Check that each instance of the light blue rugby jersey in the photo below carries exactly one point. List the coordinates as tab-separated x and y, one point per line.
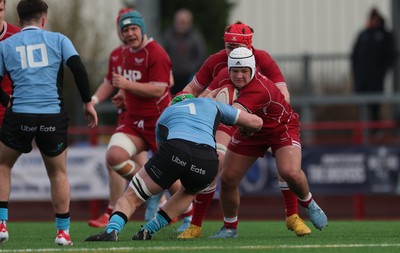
33	59
195	120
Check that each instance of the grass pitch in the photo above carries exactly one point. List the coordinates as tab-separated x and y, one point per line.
254	236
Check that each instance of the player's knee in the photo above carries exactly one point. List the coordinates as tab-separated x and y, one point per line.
120	145
127	169
115	156
290	175
229	181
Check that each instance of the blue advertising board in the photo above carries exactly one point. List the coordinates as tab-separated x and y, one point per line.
334	170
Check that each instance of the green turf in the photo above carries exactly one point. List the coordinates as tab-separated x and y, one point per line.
254	236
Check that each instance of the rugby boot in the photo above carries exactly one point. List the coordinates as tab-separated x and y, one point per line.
297	225
191	232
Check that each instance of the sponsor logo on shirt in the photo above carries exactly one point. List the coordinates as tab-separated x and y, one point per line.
42	128
177	160
197	170
132	75
235	141
139	61
114	58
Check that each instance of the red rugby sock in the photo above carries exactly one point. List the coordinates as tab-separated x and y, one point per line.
200	207
291	202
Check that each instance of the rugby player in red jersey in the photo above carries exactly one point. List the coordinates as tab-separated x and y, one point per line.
236	35
280	133
146	80
117	184
6	30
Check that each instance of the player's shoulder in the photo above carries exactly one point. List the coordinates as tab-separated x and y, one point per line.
53	35
219	56
216	61
155	49
261	54
206	104
258	84
223	73
151	44
118	50
11	29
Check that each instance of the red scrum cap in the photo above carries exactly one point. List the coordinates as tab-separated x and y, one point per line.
239	33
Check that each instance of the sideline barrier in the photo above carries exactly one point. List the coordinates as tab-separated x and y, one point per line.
87	175
330	170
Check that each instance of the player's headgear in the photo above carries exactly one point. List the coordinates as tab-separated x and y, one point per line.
239	33
180	96
120	13
242	57
132	18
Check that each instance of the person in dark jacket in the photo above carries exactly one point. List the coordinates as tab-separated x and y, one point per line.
186	47
373	54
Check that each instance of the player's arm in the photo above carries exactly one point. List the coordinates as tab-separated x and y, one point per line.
248	123
148	90
270	69
104	91
80	76
285	92
193	89
82	82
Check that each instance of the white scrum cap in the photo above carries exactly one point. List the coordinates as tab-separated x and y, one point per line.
242	57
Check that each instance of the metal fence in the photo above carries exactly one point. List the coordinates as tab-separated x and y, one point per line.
321	90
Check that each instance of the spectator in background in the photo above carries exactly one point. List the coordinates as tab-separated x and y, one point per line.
36	110
6	30
186	48
373	54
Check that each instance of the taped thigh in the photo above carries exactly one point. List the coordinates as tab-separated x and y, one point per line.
139	187
221	148
122	140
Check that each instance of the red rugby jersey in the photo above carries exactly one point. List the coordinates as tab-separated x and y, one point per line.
6	84
148	64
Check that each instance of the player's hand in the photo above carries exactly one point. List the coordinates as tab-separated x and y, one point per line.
119	99
90	114
211	94
119	81
245	132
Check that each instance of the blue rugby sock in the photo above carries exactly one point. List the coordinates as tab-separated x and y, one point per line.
117	223
159	221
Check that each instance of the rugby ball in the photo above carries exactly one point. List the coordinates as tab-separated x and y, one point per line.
227	94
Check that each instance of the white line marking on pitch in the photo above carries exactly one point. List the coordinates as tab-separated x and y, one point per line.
186	248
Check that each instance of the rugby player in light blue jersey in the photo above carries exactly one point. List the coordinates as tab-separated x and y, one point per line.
34	61
185	134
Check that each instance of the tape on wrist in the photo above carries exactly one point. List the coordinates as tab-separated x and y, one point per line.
95	99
